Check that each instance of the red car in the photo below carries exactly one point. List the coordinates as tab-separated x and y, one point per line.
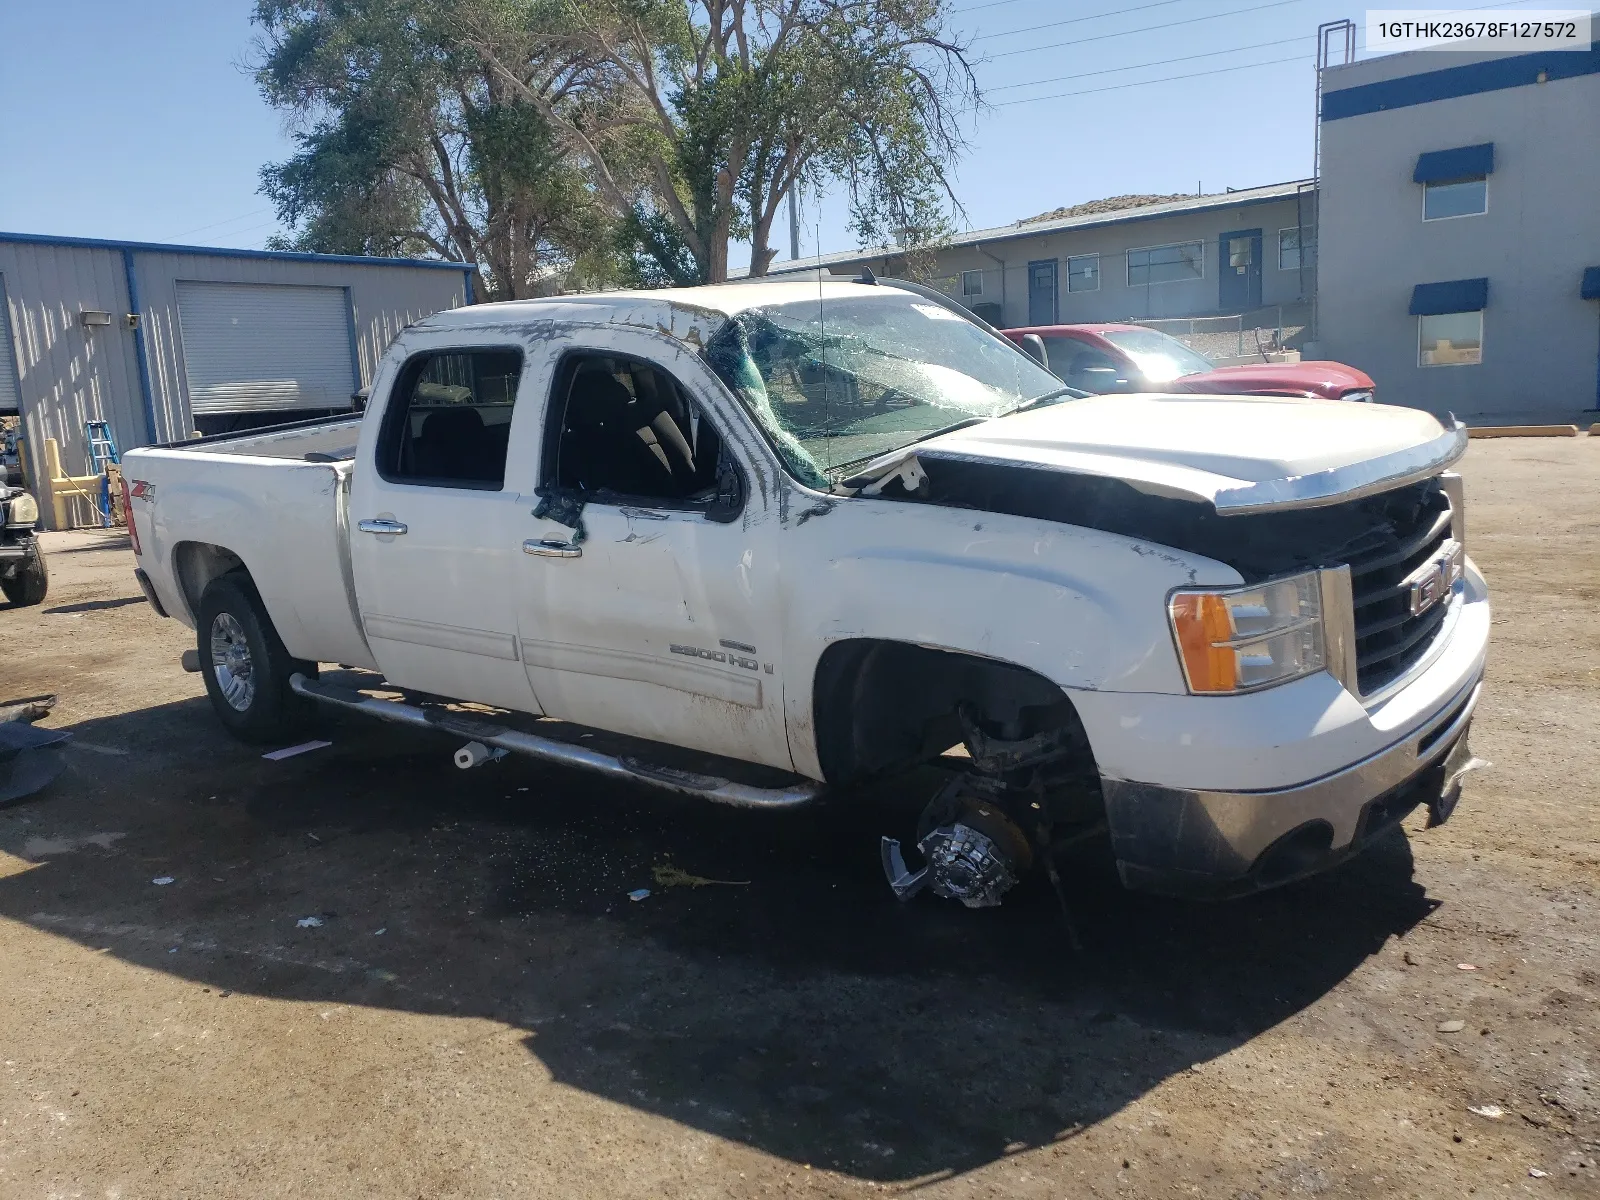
1132	358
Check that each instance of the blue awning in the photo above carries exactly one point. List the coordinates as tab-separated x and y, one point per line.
1464	162
1590	288
1451	296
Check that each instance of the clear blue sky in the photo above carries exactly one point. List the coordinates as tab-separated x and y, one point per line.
141	121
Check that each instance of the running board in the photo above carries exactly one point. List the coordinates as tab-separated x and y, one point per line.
633	770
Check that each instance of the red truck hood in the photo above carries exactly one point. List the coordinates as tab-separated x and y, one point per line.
1316	378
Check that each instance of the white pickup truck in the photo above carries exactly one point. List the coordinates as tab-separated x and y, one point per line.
772	539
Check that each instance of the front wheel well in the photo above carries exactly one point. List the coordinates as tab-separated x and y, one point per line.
881	706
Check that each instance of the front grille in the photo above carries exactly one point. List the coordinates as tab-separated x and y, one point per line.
1389	640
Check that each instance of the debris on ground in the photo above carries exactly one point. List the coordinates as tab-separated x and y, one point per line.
163	880
29	709
309	923
1451	1026
1493	1111
291	751
1466	966
668	875
1536	1173
30	758
639	894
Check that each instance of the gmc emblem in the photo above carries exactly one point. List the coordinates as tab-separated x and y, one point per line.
1432	581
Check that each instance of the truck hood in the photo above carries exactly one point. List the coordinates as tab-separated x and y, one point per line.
1238	453
1318	377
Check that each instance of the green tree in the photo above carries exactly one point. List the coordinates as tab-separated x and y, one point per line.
408	142
694	118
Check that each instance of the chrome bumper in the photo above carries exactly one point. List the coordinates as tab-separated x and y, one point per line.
1185	842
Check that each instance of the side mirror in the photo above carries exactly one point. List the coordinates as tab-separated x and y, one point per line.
728	502
1033	347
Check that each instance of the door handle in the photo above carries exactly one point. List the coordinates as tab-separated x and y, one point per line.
552	548
381	525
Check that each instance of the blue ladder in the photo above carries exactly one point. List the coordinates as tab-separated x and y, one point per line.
102	450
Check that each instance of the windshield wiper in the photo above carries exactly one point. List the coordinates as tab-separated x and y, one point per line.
933	433
1047	398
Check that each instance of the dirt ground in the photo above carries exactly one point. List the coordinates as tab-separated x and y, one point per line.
483	1012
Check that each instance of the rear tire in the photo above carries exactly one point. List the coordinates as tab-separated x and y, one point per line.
30	582
246	666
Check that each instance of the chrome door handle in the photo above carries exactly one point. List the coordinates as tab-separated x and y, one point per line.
552	548
381	525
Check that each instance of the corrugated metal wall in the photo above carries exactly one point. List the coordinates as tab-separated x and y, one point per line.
69	374
385	299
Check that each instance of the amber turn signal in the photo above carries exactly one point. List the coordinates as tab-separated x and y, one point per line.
1204	629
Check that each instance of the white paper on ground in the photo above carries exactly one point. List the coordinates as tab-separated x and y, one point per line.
291	751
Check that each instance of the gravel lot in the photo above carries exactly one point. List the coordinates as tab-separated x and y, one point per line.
482	1011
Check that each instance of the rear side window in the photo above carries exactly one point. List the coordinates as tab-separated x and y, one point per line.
449	419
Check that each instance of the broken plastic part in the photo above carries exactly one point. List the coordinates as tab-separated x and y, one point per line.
910	474
902	881
564	506
1460	763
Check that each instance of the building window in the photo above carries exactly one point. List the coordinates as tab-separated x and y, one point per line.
1166	264
972	283
1290	243
1083	273
1450	339
1455	198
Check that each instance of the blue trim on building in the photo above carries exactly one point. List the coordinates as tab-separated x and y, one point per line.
358	260
1464	162
146	390
1491	75
5	332
355	355
1589	289
1450	296
467	277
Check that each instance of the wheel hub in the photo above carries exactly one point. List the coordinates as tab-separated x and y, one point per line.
231	662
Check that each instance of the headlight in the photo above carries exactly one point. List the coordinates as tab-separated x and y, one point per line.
23	510
1252	637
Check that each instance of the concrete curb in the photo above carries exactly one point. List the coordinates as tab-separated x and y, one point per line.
1496	431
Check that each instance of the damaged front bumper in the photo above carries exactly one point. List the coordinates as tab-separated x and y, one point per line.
1198	843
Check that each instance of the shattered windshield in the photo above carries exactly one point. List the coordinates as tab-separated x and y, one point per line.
836	381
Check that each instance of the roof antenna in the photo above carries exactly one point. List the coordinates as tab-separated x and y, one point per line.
866	276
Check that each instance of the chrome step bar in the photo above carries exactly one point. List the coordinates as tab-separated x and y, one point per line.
628	768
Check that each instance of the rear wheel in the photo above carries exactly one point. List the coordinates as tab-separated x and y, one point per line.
30	581
246	666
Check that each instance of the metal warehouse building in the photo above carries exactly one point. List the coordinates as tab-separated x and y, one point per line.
1460	231
162	341
1225	253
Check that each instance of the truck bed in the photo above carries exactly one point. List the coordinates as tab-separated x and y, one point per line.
325	439
275	499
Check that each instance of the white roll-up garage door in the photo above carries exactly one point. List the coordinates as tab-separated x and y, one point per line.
252	347
9	401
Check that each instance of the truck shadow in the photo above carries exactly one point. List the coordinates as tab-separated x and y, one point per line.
804	1012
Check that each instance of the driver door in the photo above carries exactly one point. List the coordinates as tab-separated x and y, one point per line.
660	619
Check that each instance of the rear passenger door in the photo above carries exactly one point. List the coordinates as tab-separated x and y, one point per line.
435	531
